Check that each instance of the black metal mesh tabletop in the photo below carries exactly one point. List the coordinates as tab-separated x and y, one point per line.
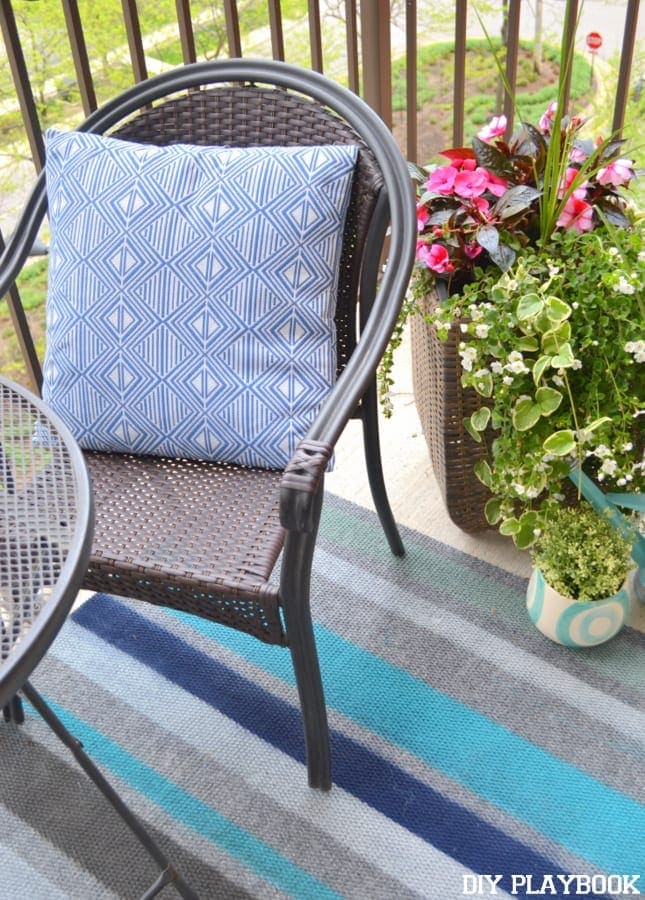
45	525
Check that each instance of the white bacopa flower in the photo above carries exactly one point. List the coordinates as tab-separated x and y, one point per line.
467	358
609	466
481	372
637	349
627	447
520	490
575	304
532	492
613	251
496	367
507	379
623	286
476	314
553	270
600	476
462	345
537	532
621	482
576	364
463	328
481	331
602	451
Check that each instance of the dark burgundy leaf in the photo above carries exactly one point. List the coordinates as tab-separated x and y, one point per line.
488	237
491	158
516	200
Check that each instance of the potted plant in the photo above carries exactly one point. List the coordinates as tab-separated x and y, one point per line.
530	275
578	593
554	349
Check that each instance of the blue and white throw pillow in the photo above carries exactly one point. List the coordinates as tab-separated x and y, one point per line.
192	292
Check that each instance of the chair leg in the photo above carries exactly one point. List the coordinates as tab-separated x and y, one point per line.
13	711
294	591
371	442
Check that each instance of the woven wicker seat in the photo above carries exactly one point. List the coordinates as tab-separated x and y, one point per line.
205	537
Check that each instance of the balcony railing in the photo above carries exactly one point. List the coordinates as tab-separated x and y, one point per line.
373	34
365	63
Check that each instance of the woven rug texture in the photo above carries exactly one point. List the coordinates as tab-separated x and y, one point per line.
466	746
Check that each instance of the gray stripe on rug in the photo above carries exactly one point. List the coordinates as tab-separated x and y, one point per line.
460	794
32	868
94	839
464	663
423	613
256	812
445	573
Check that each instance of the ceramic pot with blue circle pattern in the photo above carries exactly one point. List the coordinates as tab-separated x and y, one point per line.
575	623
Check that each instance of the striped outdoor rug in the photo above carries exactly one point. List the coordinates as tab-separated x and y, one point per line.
464	744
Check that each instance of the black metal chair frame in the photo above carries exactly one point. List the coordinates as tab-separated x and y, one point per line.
378	294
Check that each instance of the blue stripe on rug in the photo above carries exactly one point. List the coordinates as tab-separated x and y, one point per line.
445	824
192	812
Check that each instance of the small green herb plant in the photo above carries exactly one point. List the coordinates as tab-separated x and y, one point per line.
581	554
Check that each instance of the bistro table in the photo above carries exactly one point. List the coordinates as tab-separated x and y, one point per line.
46	520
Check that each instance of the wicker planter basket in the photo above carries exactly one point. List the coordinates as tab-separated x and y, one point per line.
442	405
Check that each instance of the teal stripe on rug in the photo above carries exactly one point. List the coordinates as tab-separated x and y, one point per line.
519	777
450	571
192	812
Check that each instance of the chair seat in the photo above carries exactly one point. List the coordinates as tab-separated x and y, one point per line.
202	537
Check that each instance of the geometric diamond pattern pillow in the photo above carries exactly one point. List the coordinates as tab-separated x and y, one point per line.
191	296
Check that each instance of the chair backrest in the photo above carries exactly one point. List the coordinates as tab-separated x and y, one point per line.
255	103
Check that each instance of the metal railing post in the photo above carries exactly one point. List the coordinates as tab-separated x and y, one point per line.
377	57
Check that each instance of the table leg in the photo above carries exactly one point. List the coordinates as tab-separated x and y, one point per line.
169	875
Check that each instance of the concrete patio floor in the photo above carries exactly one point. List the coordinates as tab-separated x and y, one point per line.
414	494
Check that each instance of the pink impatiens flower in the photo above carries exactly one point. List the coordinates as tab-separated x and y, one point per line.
435	257
482	205
442	180
577	155
576	214
423	214
495	128
618	172
471	184
547	117
580	191
472	250
496	185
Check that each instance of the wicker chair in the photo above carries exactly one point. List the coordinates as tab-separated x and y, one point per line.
205	537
